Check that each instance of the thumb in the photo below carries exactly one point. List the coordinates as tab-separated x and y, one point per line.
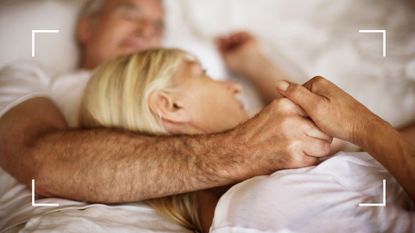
299	94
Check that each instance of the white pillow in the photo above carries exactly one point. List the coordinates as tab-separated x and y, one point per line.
58	51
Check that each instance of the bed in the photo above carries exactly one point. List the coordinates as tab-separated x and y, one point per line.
305	38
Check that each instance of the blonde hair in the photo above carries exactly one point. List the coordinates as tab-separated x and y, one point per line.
117	96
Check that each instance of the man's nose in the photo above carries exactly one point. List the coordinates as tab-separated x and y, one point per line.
146	28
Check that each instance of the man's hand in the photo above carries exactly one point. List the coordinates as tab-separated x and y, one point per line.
280	137
333	110
240	51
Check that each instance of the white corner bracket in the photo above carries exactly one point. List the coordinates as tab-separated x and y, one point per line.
383	204
383	34
33	198
34	37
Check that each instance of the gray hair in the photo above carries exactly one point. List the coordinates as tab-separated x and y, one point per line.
91	8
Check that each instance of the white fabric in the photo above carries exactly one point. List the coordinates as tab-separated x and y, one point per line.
18	214
320	199
25	79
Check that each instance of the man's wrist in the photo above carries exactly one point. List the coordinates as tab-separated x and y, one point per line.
232	156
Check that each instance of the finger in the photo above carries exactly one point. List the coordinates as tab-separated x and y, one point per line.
318	85
288	106
315	132
308	160
300	95
316	147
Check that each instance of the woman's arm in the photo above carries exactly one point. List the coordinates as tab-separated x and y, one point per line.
408	132
242	55
340	115
392	150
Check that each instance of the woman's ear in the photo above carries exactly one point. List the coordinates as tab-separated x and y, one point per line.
84	29
167	108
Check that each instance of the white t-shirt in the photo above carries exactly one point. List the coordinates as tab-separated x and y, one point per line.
25	80
320	199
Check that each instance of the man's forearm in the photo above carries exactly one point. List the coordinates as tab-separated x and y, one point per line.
108	165
393	151
111	166
115	166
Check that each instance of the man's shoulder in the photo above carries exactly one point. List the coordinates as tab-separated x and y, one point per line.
33	70
24	69
23	64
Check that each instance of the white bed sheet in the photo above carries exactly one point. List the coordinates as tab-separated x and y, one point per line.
304	37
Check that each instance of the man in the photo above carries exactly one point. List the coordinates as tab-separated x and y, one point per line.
112	166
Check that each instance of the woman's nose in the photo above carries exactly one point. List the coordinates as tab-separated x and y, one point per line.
234	87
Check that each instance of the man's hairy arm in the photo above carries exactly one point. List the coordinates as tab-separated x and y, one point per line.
100	165
112	166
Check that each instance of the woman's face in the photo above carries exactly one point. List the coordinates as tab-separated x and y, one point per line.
212	106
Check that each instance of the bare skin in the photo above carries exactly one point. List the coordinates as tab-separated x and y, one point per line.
185	109
85	164
340	115
408	132
112	166
121	27
241	53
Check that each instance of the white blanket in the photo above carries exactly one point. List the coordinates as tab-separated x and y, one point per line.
320	199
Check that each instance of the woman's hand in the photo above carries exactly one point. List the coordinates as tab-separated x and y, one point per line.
340	115
333	110
240	51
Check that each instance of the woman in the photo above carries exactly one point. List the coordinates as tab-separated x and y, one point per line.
166	91
161	92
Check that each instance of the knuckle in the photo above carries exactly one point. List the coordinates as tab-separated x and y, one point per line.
285	105
274	104
285	124
295	87
320	107
317	84
319	80
293	147
324	148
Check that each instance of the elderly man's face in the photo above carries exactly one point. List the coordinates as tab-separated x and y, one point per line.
121	27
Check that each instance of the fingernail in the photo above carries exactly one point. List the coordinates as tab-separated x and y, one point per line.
282	85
